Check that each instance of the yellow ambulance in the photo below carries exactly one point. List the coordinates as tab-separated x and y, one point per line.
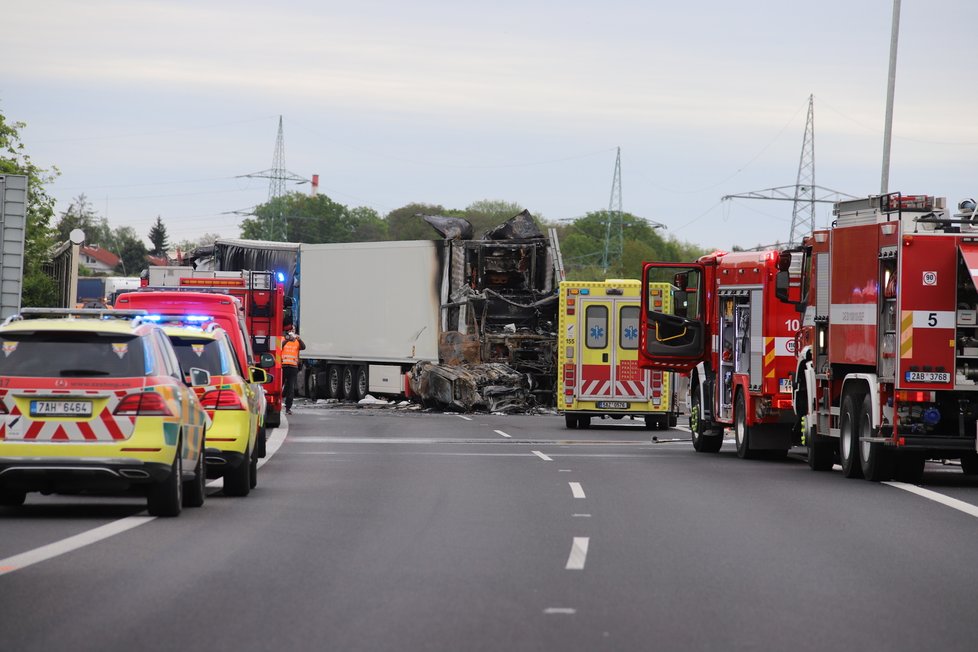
597	355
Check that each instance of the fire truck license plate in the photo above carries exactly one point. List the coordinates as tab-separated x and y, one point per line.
928	377
61	408
612	405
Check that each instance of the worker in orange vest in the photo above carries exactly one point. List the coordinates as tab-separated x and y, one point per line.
290	366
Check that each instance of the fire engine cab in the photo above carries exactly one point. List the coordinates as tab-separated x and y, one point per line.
263	300
887	357
733	336
598	355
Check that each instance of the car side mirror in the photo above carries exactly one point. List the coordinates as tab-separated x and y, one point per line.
260	376
199	377
266	361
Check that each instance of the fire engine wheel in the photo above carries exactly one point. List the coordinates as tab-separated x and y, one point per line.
741	429
704	440
362	384
969	464
11	498
166	498
849	436
195	491
910	467
570	420
334	379
875	459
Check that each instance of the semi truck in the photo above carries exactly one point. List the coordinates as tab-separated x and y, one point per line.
886	373
730	331
450	322
597	353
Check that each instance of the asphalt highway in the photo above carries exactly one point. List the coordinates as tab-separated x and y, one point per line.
378	529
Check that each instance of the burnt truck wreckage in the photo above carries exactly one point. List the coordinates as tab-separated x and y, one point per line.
497	350
460	323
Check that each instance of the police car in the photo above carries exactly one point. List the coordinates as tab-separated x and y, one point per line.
233	399
95	400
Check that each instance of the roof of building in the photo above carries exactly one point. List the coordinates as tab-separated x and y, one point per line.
101	255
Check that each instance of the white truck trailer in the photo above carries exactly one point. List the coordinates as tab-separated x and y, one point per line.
368	312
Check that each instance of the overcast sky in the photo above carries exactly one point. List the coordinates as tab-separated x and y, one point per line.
156	108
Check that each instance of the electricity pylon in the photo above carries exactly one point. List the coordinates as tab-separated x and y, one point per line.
277	175
804	193
613	233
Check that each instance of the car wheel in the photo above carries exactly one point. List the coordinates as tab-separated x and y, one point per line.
195	491
584	422
849	436
237	479
570	420
253	472
673	420
260	442
11	498
166	498
652	423
273	418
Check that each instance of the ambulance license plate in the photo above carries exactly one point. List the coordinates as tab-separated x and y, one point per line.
61	408
928	377
612	405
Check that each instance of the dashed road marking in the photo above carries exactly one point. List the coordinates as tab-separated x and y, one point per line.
578	554
542	456
562	611
576	489
501	433
462	416
564	471
581	515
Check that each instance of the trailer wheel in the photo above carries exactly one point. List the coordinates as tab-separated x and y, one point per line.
348	382
361	382
570	421
334	387
875	460
849	436
741	429
705	440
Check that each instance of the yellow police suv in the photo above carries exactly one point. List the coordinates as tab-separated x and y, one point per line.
233	400
95	400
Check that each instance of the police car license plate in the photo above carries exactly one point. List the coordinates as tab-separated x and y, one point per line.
61	408
928	377
612	405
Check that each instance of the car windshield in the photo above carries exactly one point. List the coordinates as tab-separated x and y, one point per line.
72	354
201	353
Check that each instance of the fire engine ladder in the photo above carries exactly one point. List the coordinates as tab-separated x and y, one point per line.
555	251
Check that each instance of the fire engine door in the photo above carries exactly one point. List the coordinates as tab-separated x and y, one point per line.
608	351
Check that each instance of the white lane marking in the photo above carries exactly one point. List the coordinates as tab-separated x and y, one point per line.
578	554
272	444
500	432
462	416
686	428
564	611
87	538
947	501
581	515
576	489
564	471
542	456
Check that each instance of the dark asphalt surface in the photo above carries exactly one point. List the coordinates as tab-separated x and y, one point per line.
383	530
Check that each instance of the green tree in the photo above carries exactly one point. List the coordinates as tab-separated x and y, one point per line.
132	251
368	225
404	223
186	246
297	217
158	238
38	289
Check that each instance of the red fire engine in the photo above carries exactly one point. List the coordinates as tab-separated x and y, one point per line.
733	336
887	371
265	314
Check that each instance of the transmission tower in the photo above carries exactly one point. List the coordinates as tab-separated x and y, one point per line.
613	236
277	175
804	194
